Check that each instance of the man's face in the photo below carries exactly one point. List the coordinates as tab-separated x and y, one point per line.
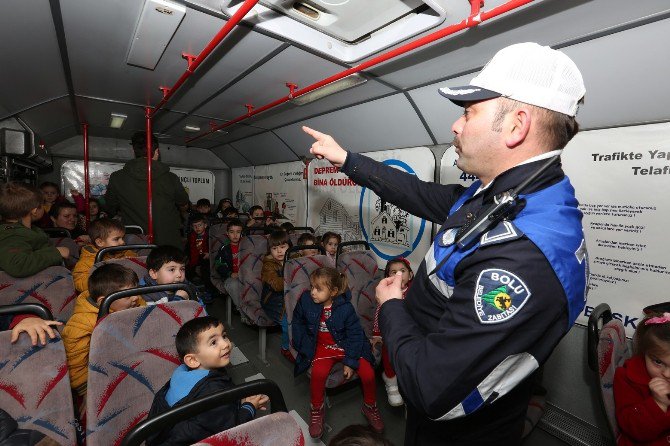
475	141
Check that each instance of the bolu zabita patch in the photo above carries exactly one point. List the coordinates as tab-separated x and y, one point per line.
499	295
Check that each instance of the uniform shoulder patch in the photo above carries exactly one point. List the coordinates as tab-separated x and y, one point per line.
499	295
503	232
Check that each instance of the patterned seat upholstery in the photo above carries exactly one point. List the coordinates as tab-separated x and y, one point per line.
217	237
296	282
132	356
613	351
35	387
271	430
252	250
363	274
52	288
70	244
137	264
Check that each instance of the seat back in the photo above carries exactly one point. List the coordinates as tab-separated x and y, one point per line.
137	264
275	429
217	238
363	274
137	239
296	282
608	349
252	250
132	355
35	387
71	245
52	287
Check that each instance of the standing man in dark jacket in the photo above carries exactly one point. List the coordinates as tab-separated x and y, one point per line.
479	320
127	192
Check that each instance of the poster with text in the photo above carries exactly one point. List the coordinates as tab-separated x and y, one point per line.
243	188
198	183
338	204
281	188
621	177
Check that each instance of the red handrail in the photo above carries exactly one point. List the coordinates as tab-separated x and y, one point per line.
150	215
475	18
87	187
193	65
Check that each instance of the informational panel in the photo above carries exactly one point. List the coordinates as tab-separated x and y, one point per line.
243	188
621	177
337	204
198	183
282	188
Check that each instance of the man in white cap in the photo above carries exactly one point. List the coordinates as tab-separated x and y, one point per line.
480	318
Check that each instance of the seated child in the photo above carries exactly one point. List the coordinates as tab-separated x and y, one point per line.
198	249
256	216
230	213
642	385
399	265
24	248
204	349
330	241
166	264
272	297
104	233
224	203
307	238
203	206
227	260
77	332
50	195
326	330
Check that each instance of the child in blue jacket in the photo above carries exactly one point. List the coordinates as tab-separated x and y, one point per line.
326	330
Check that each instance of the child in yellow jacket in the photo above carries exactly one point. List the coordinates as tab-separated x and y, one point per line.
77	332
104	233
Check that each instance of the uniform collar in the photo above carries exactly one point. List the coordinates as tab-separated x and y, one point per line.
517	174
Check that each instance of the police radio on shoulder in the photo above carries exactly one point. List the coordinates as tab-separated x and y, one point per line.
497	212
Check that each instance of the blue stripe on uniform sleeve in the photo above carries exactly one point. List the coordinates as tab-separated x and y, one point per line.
472	402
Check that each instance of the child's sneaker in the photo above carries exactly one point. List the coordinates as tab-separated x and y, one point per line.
373	416
391	384
316	421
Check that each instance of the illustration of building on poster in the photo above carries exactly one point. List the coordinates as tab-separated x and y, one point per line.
333	217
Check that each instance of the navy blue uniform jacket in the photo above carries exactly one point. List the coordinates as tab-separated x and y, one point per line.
440	349
343	324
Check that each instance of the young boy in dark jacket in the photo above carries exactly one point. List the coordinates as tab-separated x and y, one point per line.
204	348
227	260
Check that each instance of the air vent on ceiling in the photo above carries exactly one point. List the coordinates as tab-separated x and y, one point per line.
346	20
158	22
349	30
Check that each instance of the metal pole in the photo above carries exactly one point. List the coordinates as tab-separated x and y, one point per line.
87	186
150	216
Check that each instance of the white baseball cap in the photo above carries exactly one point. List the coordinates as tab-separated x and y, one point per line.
526	72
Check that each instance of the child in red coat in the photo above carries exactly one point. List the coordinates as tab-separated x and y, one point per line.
642	386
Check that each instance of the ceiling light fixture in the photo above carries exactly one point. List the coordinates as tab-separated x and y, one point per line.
332	88
191	128
117	120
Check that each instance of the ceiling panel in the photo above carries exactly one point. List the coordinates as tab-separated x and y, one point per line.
32	71
265	148
386	123
230	156
601	65
291	113
543	22
59	135
268	82
99	35
49	117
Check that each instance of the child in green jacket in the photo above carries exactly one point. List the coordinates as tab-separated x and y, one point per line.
24	249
